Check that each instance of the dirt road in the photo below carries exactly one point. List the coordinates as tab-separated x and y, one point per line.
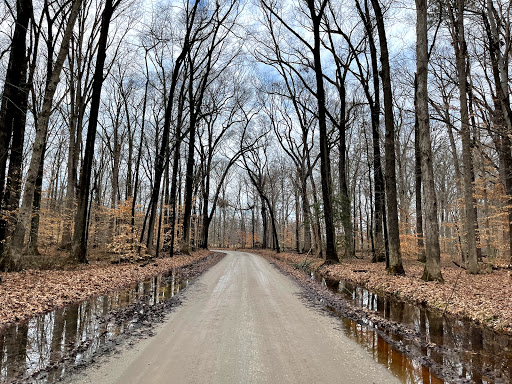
242	322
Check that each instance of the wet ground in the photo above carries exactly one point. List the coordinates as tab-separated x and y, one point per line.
50	346
456	349
416	345
243	322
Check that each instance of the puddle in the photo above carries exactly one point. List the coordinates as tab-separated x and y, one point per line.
476	355
76	332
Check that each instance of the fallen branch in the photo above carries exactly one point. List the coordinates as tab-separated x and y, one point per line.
458	265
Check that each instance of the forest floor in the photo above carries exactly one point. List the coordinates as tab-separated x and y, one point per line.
485	299
30	292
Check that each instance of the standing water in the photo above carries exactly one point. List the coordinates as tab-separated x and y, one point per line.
474	354
42	348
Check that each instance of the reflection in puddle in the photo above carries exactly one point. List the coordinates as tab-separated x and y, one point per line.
46	340
475	354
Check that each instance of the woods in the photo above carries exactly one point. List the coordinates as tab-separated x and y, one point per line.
129	132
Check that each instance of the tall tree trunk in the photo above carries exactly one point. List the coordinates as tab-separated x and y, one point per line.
36	204
418	181
379	234
32	248
306	213
459	44
25	214
275	237
77	106
206	196
306	216
174	178
325	163
298	249
139	153
159	166
14	105
315	222
395	258
432	250
502	116
79	247
264	221
346	218
189	175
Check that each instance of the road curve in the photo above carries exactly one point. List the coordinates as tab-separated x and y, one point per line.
242	322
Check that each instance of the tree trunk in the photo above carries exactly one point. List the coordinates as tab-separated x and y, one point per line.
379	236
346	218
174	182
264	221
32	248
159	166
433	251
502	116
325	163
79	247
306	214
25	214
459	44
189	175
418	181
139	153
14	105
315	222
395	258
298	249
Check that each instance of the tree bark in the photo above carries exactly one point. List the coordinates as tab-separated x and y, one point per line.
189	177
79	247
379	234
418	181
459	44
502	114
175	168
346	218
14	105
24	218
395	258
325	163
432	269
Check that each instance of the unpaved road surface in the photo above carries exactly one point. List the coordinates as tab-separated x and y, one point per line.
242	322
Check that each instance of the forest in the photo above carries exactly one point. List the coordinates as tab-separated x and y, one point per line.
373	129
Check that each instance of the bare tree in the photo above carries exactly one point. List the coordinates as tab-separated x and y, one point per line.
432	249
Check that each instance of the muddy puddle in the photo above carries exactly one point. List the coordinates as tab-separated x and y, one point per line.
42	349
467	353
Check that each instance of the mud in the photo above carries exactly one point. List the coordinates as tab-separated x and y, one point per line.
243	322
50	347
465	354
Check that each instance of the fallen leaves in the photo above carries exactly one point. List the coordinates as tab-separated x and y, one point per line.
485	299
23	294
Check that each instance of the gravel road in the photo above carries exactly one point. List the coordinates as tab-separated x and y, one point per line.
242	322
